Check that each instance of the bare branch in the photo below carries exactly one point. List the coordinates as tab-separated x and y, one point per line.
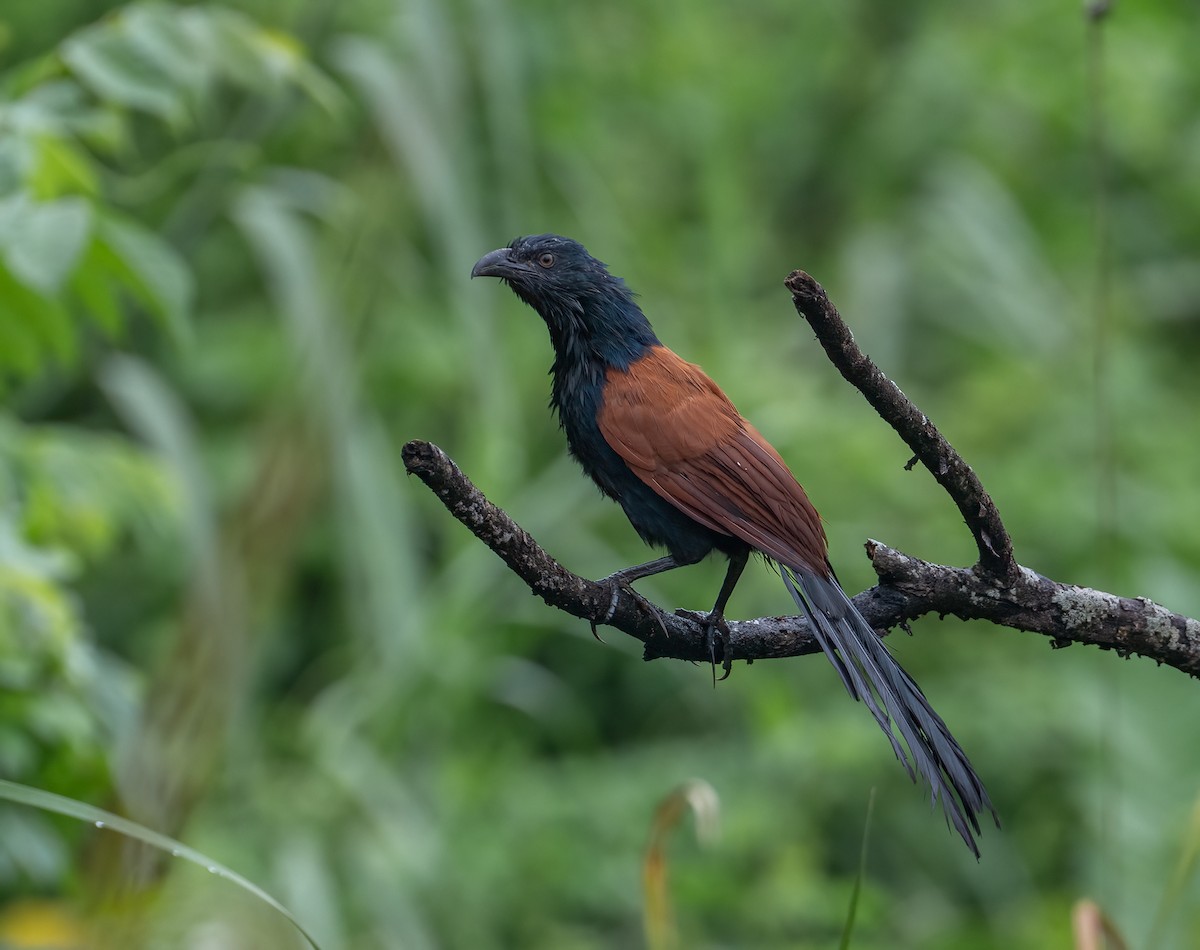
619	607
908	588
998	589
922	436
1064	612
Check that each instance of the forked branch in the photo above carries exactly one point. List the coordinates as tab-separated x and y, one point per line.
996	589
928	445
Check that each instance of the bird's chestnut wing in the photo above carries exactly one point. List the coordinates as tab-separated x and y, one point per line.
682	436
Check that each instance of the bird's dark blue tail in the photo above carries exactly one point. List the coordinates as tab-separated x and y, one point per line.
871	674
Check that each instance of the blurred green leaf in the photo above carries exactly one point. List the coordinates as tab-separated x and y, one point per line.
143	398
156	273
96	287
62	168
40	328
41	240
116	70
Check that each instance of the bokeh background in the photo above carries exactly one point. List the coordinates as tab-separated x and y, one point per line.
234	249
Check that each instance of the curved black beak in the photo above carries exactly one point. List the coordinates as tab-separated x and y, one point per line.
497	263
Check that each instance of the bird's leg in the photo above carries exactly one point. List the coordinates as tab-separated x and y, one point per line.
626	576
714	621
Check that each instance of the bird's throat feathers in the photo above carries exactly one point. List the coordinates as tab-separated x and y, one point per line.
602	325
592	334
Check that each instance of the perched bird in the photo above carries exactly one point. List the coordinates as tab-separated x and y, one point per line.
661	439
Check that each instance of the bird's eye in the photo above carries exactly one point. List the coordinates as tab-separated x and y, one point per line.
546	260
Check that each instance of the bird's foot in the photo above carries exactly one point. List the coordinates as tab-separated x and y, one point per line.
617	583
715	630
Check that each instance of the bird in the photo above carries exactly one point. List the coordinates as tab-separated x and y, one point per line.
658	436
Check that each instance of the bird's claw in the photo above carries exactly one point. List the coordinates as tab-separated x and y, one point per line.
715	628
616	585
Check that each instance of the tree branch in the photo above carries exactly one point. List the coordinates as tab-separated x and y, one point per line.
908	588
997	589
913	426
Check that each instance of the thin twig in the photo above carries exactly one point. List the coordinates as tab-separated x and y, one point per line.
928	444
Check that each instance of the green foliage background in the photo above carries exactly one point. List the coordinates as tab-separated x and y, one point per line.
234	249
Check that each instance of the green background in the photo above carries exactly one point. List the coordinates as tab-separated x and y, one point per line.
234	250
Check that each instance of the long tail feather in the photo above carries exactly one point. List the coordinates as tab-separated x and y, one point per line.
870	673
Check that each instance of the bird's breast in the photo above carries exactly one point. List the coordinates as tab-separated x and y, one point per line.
576	396
579	399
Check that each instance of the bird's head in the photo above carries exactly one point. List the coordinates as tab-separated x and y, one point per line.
582	303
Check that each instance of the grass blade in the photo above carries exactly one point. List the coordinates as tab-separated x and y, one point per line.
61	805
1185	868
852	911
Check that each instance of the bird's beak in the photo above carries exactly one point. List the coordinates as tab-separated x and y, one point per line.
498	263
